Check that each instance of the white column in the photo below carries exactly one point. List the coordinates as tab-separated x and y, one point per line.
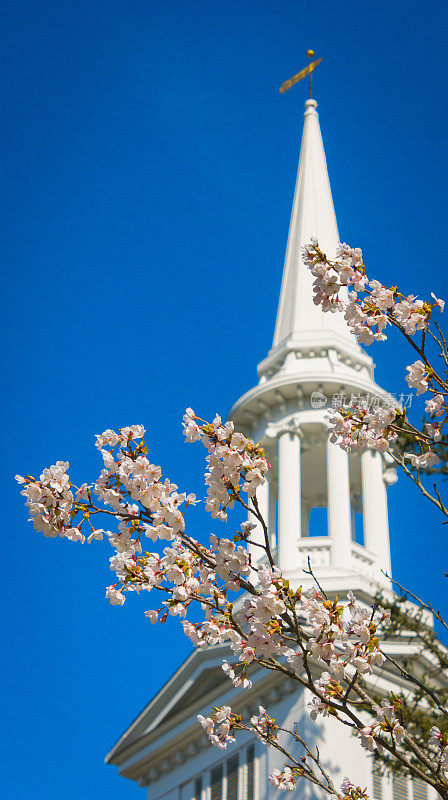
338	502
374	508
257	534
289	502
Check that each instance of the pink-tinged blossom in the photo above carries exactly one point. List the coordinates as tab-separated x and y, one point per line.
111	439
438	302
346	786
82	492
207	724
282	779
411	314
234	463
74	535
436	736
264	725
115	597
218	727
380	296
331	631
418	376
237	679
425	460
398	733
134	432
318	708
108	438
434	406
192	430
360	427
368	306
439	740
352	792
367	739
433	430
50	501
294	659
247	527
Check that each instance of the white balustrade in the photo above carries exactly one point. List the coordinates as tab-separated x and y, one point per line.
318	551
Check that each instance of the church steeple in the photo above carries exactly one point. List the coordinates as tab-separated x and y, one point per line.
308	342
300	324
312	215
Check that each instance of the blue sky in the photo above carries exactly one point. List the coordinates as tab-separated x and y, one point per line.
148	165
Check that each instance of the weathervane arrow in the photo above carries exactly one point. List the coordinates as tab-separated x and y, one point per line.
302	74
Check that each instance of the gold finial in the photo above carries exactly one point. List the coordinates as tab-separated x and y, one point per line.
302	74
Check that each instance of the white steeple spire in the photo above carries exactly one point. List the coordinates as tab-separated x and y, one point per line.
302	328
312	215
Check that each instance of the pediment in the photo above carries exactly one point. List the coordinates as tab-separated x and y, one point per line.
199	675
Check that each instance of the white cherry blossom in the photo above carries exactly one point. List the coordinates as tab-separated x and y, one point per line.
418	376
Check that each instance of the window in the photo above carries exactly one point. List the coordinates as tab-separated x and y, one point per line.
198	788
232	778
216	783
419	789
250	773
377	782
399	787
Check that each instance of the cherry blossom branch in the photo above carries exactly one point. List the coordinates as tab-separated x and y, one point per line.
422	603
326	646
425	689
437	501
267	546
368	310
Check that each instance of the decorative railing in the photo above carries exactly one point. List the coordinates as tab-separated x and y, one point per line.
362	560
317	549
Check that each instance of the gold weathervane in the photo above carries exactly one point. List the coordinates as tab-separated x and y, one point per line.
302	74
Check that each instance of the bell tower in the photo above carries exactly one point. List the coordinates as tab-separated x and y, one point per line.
320	502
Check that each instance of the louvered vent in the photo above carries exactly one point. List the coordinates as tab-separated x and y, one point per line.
198	788
232	778
400	787
377	783
250	774
216	783
419	789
